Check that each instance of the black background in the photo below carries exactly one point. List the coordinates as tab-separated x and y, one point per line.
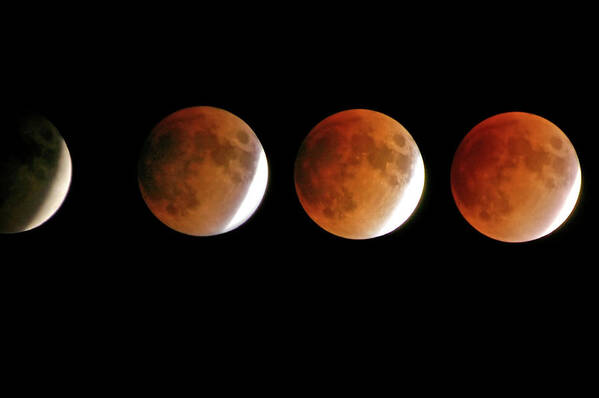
105	274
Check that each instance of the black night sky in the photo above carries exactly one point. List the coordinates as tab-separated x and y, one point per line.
105	265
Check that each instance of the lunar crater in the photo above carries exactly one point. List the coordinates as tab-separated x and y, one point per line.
556	143
399	139
242	137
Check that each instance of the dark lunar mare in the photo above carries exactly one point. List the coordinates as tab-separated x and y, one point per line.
30	149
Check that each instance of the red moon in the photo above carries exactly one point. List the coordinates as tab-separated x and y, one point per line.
359	174
202	171
515	177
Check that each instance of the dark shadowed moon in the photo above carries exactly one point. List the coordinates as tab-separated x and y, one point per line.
515	177
35	172
359	174
202	171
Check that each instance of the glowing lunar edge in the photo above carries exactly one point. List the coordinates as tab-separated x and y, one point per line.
568	206
409	200
58	190
254	195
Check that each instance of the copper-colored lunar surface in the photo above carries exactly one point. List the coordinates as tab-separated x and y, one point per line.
515	177
359	174
202	171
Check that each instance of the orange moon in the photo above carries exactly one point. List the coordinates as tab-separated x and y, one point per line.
359	174
202	171
515	177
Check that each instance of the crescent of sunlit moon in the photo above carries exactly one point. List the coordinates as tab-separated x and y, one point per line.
568	206
58	189
409	200
253	196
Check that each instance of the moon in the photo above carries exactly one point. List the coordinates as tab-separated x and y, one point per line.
202	171
359	174
35	172
515	177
